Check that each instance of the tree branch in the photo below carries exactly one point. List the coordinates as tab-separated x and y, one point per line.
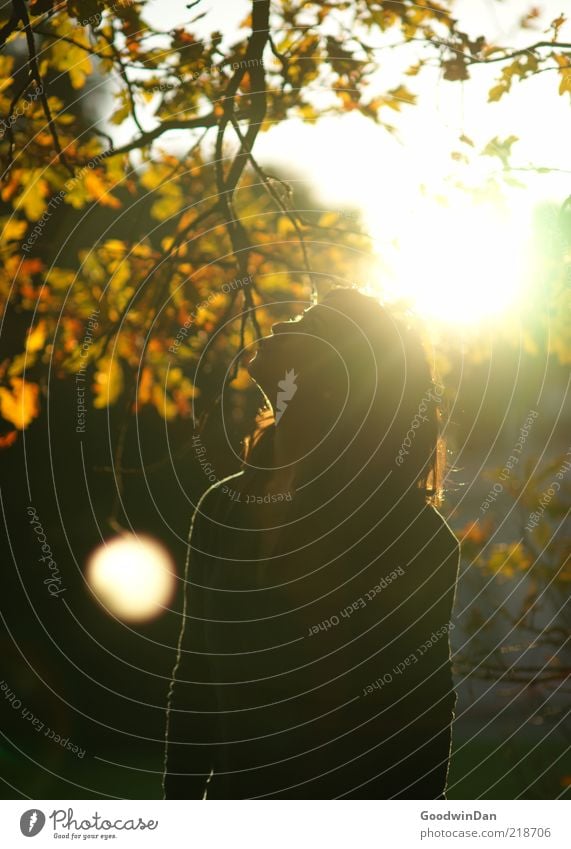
22	11
11	25
205	122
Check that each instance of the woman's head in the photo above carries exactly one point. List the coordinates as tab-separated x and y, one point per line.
357	379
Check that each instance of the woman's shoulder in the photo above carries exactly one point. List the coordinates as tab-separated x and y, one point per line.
208	503
440	529
416	524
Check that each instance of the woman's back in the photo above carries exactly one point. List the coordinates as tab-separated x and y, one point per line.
324	645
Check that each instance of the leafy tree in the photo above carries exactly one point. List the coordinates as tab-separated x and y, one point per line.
225	237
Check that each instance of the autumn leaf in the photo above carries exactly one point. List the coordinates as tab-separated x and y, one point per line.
565	84
36	338
456	69
164	405
501	149
242	380
414	69
8	439
108	383
556	26
32	200
144	394
400	95
528	19
13	229
497	92
99	192
19	405
508	558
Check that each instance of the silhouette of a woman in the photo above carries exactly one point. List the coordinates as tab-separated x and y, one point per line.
314	655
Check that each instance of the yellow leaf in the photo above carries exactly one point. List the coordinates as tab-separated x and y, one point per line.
565	84
414	69
36	338
164	405
562	60
20	404
18	365
242	380
496	92
116	246
170	201
400	95
99	191
60	279
6	65
145	386
79	70
76	194
32	199
68	57
108	383
14	229
329	219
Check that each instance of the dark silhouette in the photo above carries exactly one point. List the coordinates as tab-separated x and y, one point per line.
314	657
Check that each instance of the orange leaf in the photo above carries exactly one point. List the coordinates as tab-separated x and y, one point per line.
20	404
8	439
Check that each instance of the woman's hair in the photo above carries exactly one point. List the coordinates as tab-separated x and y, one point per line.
374	375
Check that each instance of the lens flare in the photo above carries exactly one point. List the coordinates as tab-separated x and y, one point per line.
460	263
132	577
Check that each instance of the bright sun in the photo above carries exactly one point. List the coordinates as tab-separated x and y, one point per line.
457	262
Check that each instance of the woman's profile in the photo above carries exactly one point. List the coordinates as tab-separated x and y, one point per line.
314	655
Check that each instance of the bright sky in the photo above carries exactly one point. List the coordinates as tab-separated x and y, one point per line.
351	161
